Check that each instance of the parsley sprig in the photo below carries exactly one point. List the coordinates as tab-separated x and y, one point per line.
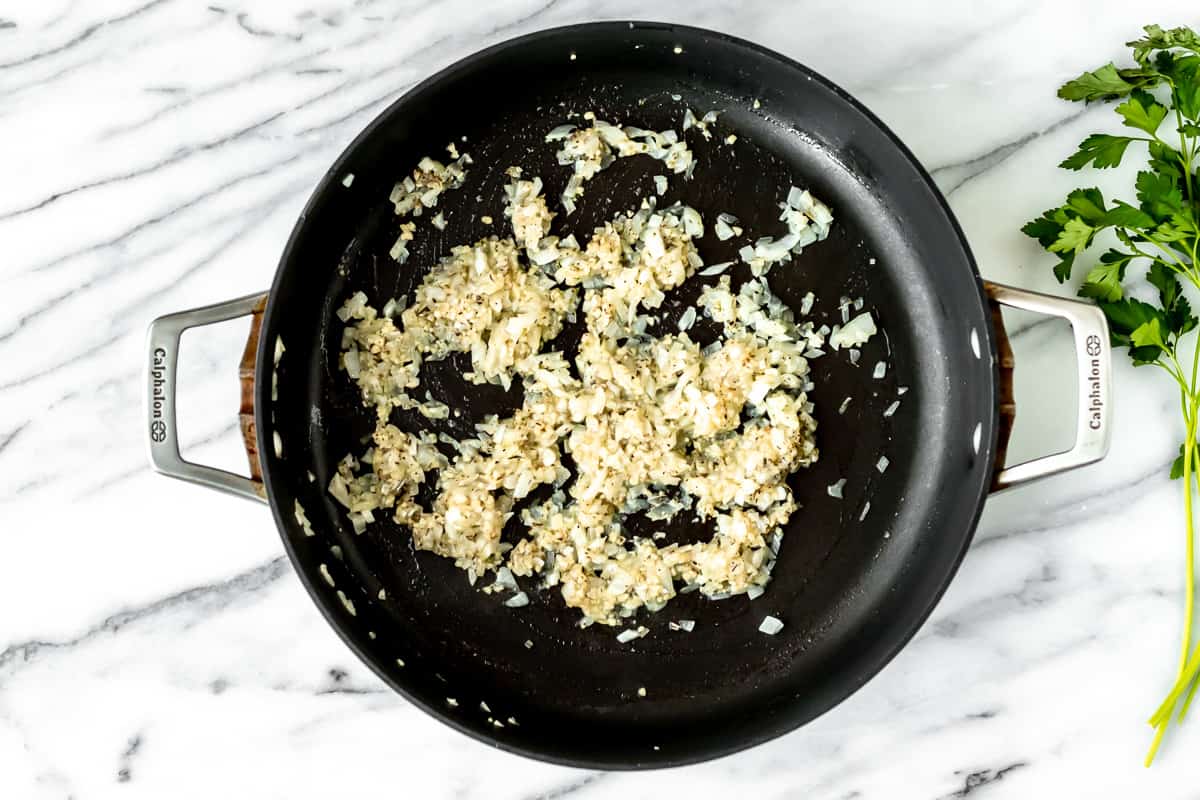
1161	234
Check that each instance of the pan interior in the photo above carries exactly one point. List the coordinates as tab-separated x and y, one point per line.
852	581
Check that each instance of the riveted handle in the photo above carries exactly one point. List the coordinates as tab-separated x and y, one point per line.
1093	429
161	430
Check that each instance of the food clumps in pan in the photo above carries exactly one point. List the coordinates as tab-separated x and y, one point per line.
421	190
589	150
654	423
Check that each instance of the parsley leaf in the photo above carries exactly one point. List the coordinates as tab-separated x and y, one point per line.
1175	229
1045	228
1123	215
1159	194
1099	84
1076	236
1177	466
1148	334
1142	111
1177	312
1062	270
1165	159
1104	281
1126	316
1163	279
1087	204
1158	39
1187	92
1099	149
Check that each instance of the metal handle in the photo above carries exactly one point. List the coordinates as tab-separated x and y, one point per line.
1094	365
162	437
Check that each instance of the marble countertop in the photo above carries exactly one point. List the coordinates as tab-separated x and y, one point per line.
154	642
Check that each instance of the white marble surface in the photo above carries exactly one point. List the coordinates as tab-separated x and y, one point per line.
153	640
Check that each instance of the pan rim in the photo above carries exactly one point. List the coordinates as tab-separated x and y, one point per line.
652	760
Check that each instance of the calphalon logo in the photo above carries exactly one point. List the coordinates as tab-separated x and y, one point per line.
158	396
1095	401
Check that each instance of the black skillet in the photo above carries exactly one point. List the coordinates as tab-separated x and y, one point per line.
853	582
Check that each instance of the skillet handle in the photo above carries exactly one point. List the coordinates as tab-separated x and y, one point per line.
162	438
1093	430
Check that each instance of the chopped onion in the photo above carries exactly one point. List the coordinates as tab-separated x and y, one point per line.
772	250
865	509
660	184
350	361
770	625
835	489
880	370
347	603
517	600
688	318
887	412
399	251
845	404
754	592
628	635
353	305
855	332
716	269
303	521
882	464
505	579
561	132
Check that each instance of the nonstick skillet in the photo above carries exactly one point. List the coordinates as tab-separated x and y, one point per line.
853	582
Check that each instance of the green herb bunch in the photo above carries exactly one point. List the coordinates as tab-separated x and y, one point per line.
1160	103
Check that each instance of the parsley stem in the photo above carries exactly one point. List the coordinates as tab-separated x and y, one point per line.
1188	469
1189	447
1160	729
1185	154
1189	665
1177	265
